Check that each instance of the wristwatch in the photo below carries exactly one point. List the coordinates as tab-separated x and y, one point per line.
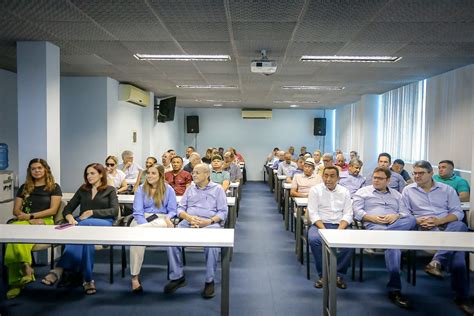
32	216
212	221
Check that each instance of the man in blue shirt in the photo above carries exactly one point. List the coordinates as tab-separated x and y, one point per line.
436	207
203	205
396	181
382	208
352	179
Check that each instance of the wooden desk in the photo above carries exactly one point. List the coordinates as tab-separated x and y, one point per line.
129	236
378	239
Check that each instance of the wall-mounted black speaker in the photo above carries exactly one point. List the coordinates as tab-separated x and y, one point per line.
192	124
319	126
166	109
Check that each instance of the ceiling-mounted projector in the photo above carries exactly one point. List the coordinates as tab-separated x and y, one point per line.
263	66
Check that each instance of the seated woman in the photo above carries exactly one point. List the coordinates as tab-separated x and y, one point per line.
115	177
208	156
98	207
150	161
154	205
36	203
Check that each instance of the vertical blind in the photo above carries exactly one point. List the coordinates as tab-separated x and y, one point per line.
402	122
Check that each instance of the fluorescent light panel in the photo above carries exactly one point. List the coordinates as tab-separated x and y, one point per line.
183	57
205	86
218	101
298	102
351	59
320	88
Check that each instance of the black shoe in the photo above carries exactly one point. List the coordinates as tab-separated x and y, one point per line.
173	285
208	291
434	269
398	299
319	283
137	290
340	283
466	306
70	279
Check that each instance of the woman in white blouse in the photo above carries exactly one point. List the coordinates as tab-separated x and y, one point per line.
115	177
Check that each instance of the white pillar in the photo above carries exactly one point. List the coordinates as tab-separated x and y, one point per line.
370	115
38	105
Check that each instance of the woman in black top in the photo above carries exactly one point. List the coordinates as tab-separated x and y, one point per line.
98	207
36	203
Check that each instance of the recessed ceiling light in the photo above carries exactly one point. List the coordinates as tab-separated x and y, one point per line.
205	86
218	101
351	59
322	88
218	104
296	101
183	57
294	106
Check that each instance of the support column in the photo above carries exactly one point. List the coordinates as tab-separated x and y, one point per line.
38	105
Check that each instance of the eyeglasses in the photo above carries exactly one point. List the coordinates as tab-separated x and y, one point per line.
110	164
379	178
421	173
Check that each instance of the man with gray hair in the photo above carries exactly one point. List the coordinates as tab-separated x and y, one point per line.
194	159
353	180
128	166
232	167
281	158
436	207
287	166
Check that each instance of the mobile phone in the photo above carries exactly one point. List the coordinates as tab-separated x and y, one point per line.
151	218
63	226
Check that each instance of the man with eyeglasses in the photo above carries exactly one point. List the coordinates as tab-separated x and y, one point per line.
436	207
353	180
329	207
396	180
446	175
178	178
380	208
232	167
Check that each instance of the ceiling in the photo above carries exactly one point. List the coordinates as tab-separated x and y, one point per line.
99	38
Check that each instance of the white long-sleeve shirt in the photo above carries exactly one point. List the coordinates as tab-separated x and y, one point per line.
329	206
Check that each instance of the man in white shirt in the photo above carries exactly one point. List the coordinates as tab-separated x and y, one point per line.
329	207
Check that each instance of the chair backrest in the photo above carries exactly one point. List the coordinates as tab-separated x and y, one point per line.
59	218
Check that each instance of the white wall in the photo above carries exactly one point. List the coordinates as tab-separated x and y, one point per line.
9	117
255	139
83	127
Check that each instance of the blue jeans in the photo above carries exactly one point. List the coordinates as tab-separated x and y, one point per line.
315	242
80	258
176	263
393	256
455	262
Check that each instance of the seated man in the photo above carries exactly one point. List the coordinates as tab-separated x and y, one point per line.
128	166
281	158
381	208
303	151
329	207
303	182
203	205
341	162
194	159
327	162
436	207
287	166
398	167
178	178
189	151
317	159
396	180
353	180
217	174
353	154
273	156
166	161
446	175
299	169
231	166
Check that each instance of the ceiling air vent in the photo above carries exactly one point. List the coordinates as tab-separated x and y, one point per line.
256	114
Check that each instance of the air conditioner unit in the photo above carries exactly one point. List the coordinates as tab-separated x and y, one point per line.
132	94
256	114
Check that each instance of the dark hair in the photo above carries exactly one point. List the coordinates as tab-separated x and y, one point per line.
192	148
385	155
423	164
384	170
399	162
170	150
151	157
177	157
30	183
276	148
332	168
103	177
354	152
449	162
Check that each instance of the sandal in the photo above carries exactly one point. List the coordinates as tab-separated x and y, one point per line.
14	291
27	279
50	279
89	288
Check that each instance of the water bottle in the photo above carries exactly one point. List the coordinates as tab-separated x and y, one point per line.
3	156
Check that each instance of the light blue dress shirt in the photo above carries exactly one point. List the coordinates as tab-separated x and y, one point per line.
206	203
396	181
352	183
146	204
369	200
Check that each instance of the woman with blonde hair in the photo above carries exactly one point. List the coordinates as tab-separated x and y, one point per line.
154	205
36	203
